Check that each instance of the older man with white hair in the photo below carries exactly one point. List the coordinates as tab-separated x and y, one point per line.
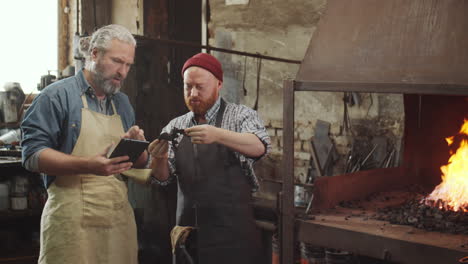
66	134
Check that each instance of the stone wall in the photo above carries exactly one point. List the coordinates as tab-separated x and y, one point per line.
284	29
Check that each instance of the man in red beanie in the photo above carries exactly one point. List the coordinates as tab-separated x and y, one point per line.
212	163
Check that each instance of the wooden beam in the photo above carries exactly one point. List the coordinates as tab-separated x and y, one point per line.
156	15
95	14
63	35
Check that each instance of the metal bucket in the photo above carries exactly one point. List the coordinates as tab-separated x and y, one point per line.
301	196
274	250
10	137
333	256
311	254
9	108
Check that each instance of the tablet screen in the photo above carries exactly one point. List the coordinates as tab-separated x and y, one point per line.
128	147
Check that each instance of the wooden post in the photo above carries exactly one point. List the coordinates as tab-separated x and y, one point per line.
287	202
95	14
63	35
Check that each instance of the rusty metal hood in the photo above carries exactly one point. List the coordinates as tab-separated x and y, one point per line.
419	45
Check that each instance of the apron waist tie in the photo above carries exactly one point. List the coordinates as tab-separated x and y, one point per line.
179	235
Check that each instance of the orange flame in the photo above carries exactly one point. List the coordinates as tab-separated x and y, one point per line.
453	190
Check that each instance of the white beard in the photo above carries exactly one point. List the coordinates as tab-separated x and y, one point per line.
105	84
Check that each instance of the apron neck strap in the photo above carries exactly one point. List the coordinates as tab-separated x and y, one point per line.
113	107
85	102
219	116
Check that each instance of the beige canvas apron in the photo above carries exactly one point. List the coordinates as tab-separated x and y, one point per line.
87	218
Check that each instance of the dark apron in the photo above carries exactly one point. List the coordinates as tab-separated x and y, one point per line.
215	197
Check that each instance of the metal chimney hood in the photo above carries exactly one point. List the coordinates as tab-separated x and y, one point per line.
395	46
418	48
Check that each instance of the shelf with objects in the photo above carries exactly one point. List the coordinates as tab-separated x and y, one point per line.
22	194
22	197
434	92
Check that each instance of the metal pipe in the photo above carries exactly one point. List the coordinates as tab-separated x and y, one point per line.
77	18
307	185
209	48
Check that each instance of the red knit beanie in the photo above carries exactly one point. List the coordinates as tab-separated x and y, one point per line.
207	62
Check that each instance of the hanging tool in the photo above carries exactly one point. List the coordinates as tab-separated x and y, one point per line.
259	69
243	78
369	155
319	173
346	127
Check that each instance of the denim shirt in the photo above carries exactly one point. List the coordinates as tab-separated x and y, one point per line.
54	118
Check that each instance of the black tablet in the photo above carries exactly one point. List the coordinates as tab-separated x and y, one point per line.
128	147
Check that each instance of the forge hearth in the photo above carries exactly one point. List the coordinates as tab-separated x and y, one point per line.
407	207
391	225
426	217
356	230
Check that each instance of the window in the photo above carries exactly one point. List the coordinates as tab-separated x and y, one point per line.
28	46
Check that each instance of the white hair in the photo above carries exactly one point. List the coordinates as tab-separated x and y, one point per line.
102	38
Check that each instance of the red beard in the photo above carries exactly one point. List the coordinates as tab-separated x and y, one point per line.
200	107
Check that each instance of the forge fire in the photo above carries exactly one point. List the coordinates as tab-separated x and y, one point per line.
445	209
452	192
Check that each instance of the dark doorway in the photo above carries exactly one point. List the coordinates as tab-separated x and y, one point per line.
184	25
158	98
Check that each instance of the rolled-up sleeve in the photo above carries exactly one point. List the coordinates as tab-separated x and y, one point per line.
41	126
247	120
170	161
250	122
